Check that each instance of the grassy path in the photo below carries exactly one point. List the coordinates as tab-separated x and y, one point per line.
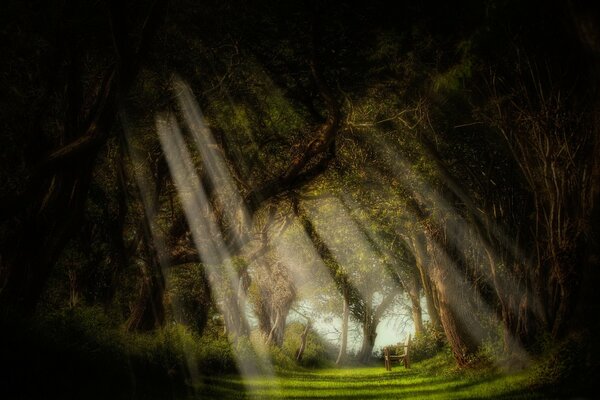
427	380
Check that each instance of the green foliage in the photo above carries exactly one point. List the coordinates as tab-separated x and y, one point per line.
453	79
215	355
189	295
426	345
82	347
317	354
568	366
283	359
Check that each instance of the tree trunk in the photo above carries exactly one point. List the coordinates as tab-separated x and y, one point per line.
369	336
263	316
419	245
276	335
27	259
416	313
457	320
303	338
234	305
148	312
44	217
344	334
370	319
411	284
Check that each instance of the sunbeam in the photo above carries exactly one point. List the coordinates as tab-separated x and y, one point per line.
143	183
347	243
207	238
456	229
227	194
287	199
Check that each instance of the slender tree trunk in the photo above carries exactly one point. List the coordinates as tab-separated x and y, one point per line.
234	307
344	334
276	335
411	284
303	339
148	311
419	244
417	317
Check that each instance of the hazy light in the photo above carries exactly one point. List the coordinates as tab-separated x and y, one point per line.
348	245
207	237
144	186
227	194
457	230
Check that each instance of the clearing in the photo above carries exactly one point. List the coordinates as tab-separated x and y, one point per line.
431	379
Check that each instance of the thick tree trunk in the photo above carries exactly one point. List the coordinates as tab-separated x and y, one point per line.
369	336
263	316
588	301
458	322
45	215
370	320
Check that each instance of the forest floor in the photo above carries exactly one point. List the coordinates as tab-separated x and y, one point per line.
431	379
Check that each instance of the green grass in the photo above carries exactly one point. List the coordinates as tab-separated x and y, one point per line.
431	379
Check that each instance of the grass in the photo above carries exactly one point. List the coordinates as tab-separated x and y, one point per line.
431	379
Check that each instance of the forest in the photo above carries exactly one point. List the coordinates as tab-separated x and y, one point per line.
251	199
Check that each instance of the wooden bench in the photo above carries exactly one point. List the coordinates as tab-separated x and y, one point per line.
390	355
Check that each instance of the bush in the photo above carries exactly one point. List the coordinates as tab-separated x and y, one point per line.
318	353
568	368
189	294
215	355
70	351
283	359
426	345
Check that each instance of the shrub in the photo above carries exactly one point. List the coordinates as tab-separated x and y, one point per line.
425	345
73	350
189	295
318	353
282	359
568	368
215	355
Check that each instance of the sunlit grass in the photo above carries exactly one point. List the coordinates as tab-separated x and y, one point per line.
431	379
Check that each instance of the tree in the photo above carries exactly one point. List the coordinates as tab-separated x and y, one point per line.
44	212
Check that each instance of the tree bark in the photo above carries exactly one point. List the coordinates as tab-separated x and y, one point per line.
369	330
370	321
462	330
341	358
422	260
148	311
303	339
47	213
417	317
